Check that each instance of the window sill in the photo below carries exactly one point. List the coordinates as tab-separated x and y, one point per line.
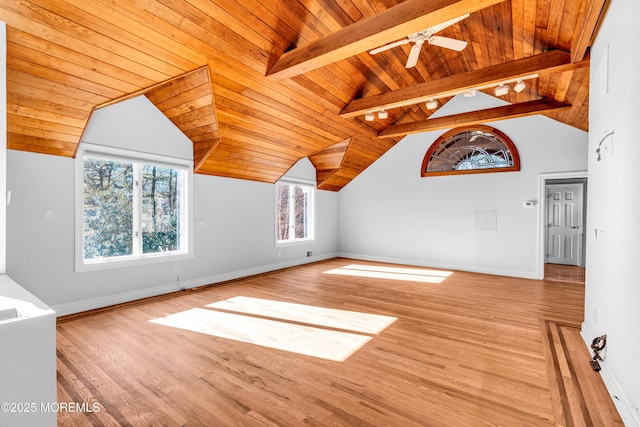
298	242
129	262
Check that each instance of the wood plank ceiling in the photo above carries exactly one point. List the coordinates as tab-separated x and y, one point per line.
258	85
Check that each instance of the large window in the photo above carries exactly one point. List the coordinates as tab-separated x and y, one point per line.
473	149
130	209
294	212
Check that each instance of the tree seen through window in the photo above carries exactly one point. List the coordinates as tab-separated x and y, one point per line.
294	212
125	200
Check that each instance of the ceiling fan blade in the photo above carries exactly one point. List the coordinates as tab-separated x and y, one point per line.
412	60
388	46
440	27
448	43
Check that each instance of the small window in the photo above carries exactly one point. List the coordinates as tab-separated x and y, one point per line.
130	209
477	149
294	212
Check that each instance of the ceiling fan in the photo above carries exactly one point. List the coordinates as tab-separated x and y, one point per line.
429	36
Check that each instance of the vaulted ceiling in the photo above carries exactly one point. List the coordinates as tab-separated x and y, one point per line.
259	84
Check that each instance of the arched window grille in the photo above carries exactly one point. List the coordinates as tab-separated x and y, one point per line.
471	149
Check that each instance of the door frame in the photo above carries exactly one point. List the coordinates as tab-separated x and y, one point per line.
542	213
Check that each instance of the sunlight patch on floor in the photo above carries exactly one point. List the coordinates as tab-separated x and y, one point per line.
393	273
318	316
307	340
304	329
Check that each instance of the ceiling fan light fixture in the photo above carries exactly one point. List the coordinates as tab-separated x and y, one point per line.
432	104
501	90
426	35
383	114
469	93
520	86
369	116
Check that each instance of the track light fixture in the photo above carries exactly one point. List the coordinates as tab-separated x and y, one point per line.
501	90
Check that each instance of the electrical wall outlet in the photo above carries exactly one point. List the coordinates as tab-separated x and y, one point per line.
176	269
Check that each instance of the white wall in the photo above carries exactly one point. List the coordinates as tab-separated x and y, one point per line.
3	145
237	239
136	124
390	213
612	285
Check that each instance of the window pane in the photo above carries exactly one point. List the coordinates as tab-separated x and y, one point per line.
484	161
283	211
108	208
301	212
471	148
160	209
294	210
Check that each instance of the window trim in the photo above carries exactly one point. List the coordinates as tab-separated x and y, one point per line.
444	137
111	153
312	211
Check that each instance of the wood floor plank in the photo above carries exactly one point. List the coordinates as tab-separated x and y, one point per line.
578	394
564	273
435	348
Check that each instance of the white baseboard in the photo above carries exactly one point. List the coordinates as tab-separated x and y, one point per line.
105	301
458	267
108	300
630	417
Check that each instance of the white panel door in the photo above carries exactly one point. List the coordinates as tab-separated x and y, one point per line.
564	224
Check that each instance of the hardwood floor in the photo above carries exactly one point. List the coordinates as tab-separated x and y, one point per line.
578	398
341	343
564	273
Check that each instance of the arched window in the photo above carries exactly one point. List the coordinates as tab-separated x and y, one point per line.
471	149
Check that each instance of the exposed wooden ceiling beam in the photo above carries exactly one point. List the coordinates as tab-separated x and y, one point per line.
512	111
552	61
589	20
390	25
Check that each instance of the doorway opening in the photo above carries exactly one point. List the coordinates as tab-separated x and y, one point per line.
562	234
